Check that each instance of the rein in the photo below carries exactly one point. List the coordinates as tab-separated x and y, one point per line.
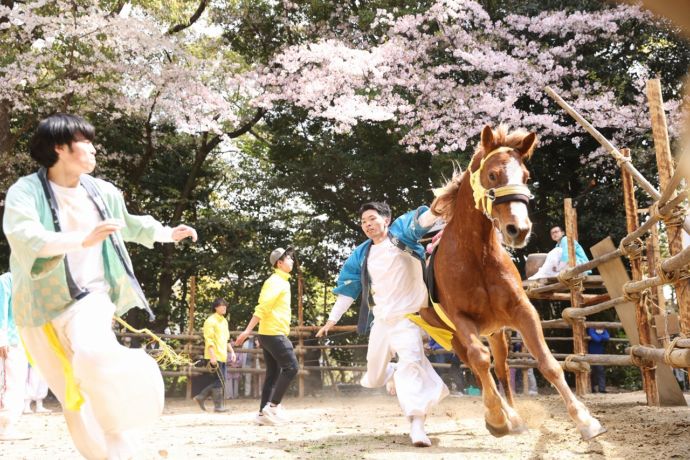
485	199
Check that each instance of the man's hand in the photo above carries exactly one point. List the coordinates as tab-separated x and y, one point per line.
102	231
3	352
324	330
241	338
183	231
233	357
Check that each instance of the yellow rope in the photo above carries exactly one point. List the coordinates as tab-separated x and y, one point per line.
166	356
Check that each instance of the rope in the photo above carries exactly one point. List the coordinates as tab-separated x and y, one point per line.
574	283
633	249
673	276
166	356
631	296
643	364
621	160
669	349
673	218
579	366
567	316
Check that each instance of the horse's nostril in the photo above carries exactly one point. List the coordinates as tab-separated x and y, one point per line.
512	230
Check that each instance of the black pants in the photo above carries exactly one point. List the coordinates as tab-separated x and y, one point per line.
598	378
281	367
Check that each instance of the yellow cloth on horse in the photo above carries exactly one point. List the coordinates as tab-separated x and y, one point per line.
442	336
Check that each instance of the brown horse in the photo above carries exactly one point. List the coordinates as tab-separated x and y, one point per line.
478	285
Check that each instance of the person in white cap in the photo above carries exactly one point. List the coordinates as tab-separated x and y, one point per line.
386	273
273	316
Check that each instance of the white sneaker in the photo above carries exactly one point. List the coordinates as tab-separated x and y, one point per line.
417	434
273	414
261	419
282	413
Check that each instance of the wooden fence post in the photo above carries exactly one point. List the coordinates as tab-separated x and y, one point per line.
665	166
641	315
582	382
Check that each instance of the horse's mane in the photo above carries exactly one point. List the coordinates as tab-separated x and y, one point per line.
445	197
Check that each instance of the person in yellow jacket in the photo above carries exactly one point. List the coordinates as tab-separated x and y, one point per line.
216	348
273	316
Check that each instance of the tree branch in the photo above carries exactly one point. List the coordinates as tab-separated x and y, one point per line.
195	17
248	126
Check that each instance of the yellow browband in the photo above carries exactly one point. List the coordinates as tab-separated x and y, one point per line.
484	198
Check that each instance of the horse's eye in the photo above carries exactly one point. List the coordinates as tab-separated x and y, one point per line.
492	176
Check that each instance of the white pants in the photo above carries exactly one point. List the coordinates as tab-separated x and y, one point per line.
122	387
417	384
12	387
552	265
36	386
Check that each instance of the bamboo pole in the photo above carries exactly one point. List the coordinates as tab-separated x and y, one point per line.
665	165
648	374
582	382
190	328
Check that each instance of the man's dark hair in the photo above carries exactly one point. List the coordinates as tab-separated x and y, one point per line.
379	206
219	302
57	129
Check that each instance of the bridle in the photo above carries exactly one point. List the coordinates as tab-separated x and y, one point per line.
485	199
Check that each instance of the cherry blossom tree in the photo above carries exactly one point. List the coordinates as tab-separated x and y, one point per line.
444	73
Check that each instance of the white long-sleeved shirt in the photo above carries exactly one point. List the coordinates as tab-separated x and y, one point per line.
78	216
397	283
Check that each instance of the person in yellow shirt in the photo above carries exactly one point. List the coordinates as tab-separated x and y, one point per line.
273	316
216	348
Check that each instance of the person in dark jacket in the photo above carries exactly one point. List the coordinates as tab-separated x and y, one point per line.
597	340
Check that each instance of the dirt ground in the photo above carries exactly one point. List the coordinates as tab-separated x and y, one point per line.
370	426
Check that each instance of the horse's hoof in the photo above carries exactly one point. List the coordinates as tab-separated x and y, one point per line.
592	430
498	431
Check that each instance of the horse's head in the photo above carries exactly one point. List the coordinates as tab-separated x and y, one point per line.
499	181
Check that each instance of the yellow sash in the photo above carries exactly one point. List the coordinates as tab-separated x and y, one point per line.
441	335
73	396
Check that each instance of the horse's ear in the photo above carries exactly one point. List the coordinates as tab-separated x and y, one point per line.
527	145
487	139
